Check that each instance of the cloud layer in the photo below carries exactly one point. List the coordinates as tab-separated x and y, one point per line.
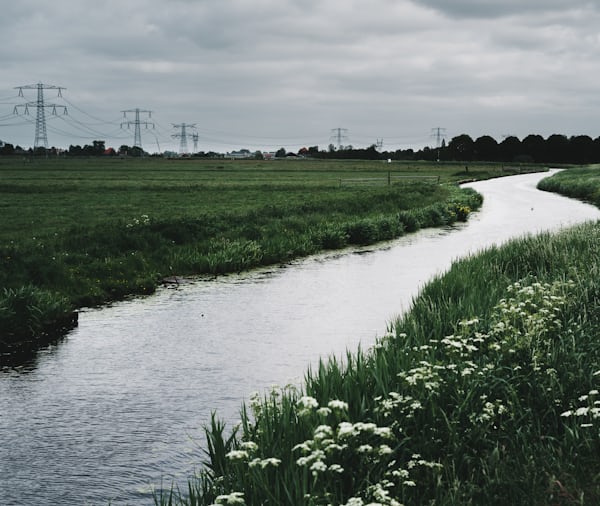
272	73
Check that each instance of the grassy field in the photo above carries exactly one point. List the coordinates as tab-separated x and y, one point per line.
581	183
42	197
486	392
79	232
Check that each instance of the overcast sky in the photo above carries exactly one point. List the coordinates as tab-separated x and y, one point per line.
263	74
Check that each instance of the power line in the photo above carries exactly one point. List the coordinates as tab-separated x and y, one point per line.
41	136
137	136
439	133
183	136
339	134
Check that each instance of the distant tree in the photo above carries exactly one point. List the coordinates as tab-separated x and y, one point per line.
535	147
280	153
510	148
486	148
313	150
371	153
596	157
557	148
581	149
258	155
461	148
136	151
7	149
428	154
98	147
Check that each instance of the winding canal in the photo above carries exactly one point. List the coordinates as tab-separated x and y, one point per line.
118	405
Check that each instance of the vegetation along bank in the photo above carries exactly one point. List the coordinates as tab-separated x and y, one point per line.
486	392
79	232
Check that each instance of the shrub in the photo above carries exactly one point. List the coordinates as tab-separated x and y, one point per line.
29	311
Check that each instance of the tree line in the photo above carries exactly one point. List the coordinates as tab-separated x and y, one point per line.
579	149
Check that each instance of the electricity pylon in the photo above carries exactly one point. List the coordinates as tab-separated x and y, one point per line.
439	134
339	134
41	137
182	136
137	136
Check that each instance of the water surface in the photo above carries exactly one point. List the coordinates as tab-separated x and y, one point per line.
119	403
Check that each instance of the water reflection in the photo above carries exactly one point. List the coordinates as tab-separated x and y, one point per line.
119	404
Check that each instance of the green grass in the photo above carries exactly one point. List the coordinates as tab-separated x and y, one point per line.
486	392
580	183
84	232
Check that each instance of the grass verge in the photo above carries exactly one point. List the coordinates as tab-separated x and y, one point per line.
486	392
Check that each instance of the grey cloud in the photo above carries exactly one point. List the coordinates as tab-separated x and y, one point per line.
294	66
495	9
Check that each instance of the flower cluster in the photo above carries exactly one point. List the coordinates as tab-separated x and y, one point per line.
345	448
247	450
144	219
588	412
232	498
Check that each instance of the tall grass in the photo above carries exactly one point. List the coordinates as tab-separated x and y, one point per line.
91	263
581	183
486	392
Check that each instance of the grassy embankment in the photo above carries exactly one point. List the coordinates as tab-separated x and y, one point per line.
581	183
76	233
486	392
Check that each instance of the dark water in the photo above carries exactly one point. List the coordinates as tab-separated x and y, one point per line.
118	405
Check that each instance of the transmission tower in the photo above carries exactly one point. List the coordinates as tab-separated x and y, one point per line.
439	133
41	138
195	139
339	134
137	136
183	135
379	144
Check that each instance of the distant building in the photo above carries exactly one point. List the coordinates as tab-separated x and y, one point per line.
242	153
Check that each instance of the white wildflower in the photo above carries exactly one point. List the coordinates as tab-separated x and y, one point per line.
337	405
384	450
318	467
251	446
233	498
237	455
271	461
322	432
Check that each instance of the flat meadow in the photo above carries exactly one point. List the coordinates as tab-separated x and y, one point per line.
486	392
82	232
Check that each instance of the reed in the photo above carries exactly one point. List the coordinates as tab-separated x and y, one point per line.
486	392
581	183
